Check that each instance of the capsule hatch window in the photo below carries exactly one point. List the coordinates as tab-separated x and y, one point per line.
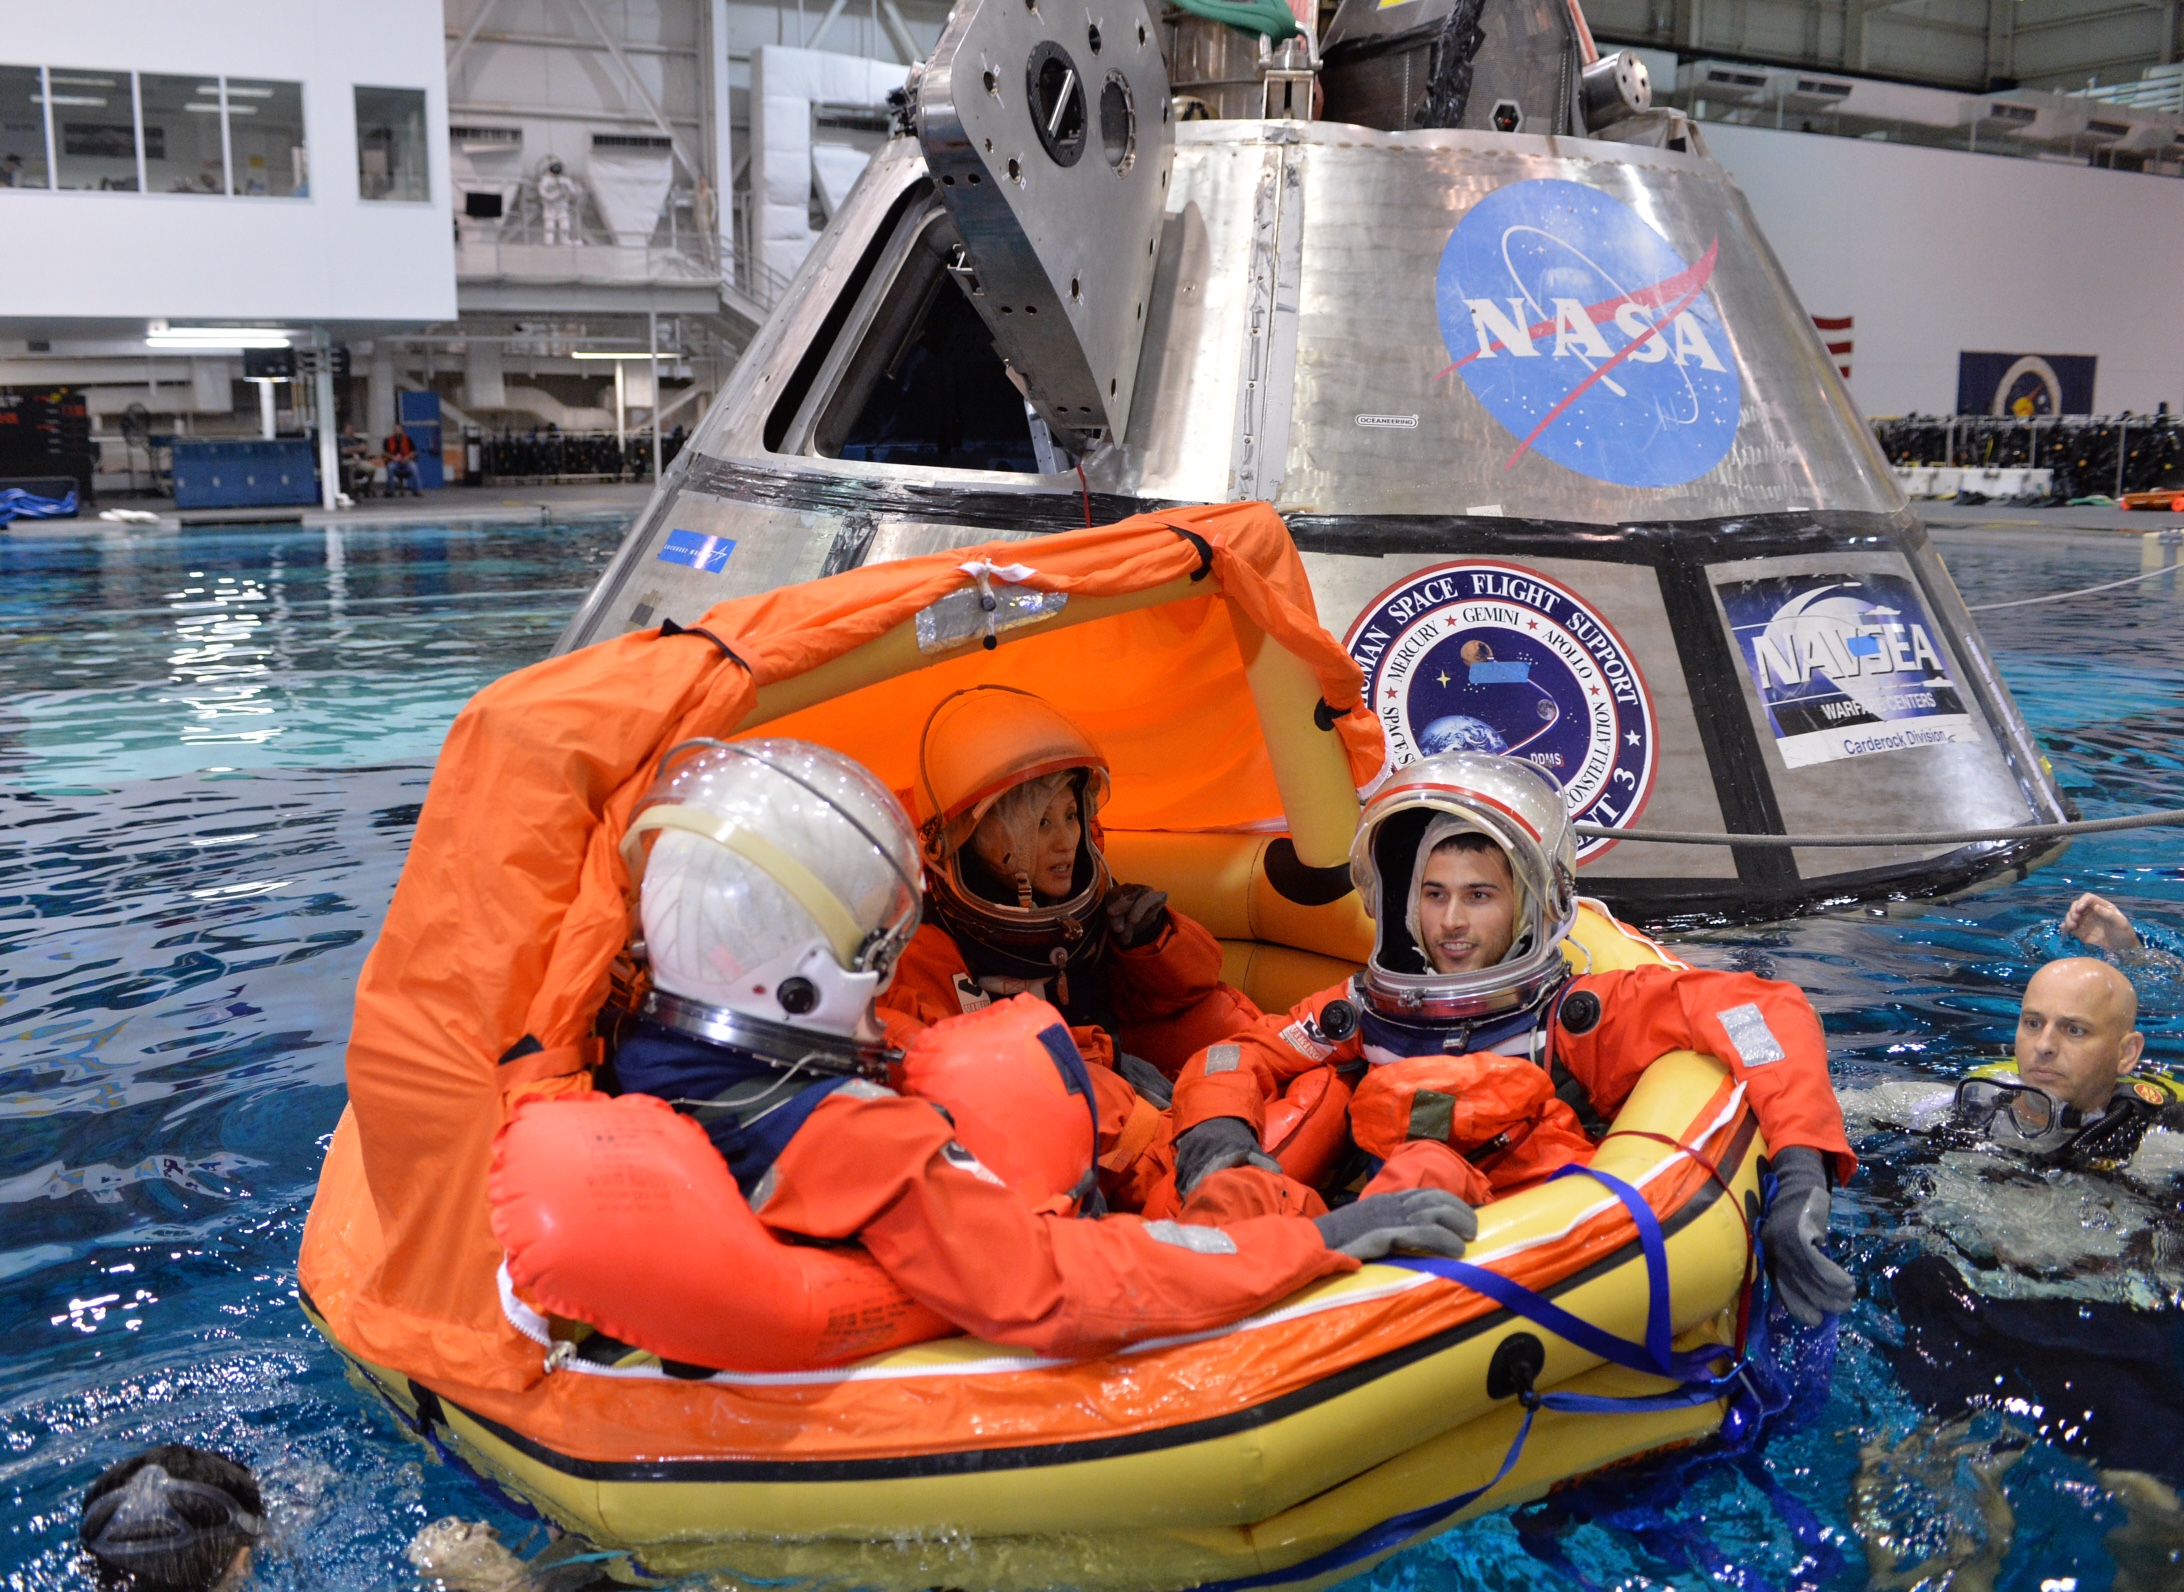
903	371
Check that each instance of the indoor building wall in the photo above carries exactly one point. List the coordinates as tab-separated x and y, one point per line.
1968	44
329	254
1934	252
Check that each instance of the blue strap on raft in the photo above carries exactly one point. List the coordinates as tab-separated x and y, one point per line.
1692	1369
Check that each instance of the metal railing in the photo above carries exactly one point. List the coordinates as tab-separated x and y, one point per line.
561	458
2105	455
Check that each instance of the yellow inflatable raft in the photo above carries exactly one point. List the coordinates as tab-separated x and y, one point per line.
1292	1449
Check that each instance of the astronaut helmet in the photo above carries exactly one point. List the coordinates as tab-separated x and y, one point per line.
776	885
553	164
1514	807
997	768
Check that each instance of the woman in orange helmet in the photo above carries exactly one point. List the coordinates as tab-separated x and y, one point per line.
1019	899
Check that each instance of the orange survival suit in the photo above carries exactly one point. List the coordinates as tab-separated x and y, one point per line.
1497	1109
764	962
1133	976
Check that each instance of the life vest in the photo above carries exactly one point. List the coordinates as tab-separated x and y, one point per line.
1500	1113
1304	1129
620	1213
1011	1080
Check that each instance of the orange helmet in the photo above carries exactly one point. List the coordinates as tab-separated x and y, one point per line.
979	745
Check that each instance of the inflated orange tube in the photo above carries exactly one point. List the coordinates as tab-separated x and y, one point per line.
1012	1083
1305	1128
620	1213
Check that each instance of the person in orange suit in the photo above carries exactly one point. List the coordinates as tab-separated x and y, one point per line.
776	891
1482	1065
1019	898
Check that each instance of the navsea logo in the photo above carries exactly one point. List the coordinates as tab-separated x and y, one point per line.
1586	334
1482	656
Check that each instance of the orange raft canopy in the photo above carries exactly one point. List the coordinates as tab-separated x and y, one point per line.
1291	1449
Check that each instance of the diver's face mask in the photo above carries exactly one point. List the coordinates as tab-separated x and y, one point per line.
2016	1116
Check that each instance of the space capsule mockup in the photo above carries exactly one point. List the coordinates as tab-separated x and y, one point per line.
1571	470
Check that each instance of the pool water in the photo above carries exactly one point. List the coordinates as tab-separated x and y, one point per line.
212	749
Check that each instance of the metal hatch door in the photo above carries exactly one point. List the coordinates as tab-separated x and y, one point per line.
1045	124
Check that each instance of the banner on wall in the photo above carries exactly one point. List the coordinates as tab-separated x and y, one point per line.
1845	665
2025	385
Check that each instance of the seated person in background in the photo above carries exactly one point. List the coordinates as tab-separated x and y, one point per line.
1019	898
1483	1065
778	893
402	464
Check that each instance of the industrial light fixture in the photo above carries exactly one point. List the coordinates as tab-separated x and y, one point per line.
209	339
600	353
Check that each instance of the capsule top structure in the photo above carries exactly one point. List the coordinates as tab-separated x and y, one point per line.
1574	474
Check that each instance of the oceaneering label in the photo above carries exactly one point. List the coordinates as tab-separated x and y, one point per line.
1484	656
1846	665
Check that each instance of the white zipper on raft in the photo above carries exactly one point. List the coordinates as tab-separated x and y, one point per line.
534	1326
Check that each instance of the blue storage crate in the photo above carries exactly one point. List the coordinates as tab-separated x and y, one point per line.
243	474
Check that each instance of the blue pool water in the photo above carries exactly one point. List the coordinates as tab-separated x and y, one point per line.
212	747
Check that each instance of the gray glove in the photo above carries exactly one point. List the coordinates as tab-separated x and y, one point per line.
1810	1285
1417	1221
1136	914
1215	1145
1147	1079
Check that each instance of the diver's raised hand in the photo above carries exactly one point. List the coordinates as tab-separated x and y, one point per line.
1810	1285
1215	1145
2100	923
1136	914
1416	1221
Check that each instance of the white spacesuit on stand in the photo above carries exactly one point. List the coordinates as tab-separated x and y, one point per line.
557	196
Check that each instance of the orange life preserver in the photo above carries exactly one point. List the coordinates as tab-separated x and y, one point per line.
620	1213
1020	1096
1499	1113
1304	1129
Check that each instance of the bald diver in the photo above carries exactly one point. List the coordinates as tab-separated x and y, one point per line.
2051	1223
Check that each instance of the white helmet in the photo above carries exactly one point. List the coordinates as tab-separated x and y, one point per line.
1517	807
777	883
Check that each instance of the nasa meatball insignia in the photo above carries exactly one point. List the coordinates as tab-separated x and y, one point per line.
1847	665
1588	336
1493	657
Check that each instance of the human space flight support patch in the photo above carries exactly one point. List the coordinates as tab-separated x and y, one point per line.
1484	656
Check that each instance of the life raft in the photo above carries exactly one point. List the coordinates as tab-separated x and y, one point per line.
1291	1449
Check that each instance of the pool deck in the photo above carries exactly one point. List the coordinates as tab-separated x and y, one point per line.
2010	517
499	504
521	505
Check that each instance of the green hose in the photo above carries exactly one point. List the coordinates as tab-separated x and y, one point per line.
1269	17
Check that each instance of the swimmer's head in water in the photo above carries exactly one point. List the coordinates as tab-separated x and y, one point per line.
173	1519
2077	1031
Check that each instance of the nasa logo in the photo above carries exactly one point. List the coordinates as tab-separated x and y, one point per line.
1588	336
1482	656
